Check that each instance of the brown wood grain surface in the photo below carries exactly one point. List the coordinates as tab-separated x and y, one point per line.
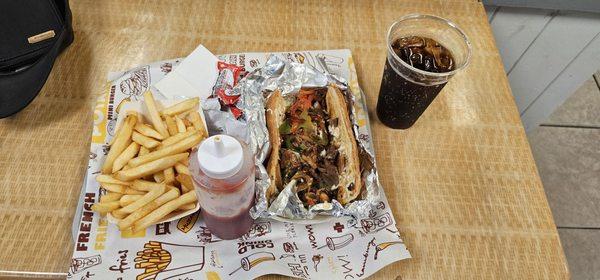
462	182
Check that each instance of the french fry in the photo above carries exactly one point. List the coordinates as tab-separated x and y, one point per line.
190	128
169	174
128	199
176	138
185	181
159	177
187	123
125	156
104	208
154	116
148	168
196	120
182	169
109	197
132	191
188	104
144	140
180	125
137	115
187	207
147	198
110	180
184	114
178	147
117	216
163	210
143	151
171	125
113	188
123	139
119	189
148	131
146	209
186	163
146	186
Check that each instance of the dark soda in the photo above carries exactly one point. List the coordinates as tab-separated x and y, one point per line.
401	101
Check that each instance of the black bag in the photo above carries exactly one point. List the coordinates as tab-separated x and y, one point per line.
32	34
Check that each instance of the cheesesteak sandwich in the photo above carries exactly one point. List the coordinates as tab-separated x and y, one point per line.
313	147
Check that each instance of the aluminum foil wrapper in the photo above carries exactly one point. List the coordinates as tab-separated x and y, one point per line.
289	77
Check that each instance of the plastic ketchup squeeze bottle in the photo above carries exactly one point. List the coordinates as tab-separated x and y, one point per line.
223	173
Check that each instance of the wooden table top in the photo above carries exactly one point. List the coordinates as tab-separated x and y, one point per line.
462	182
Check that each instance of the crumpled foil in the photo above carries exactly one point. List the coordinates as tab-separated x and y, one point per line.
289	77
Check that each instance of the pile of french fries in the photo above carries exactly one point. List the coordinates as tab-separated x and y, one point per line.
145	174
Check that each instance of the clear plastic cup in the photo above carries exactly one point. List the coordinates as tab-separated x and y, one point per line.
407	91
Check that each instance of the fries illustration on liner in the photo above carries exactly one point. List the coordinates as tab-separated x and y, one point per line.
153	259
145	173
158	263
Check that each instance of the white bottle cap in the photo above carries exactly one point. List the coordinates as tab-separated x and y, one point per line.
220	156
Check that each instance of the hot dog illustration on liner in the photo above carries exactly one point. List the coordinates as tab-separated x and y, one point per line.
253	260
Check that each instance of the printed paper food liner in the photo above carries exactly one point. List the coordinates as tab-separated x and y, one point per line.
340	247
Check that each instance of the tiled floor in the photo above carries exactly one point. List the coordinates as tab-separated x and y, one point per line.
567	151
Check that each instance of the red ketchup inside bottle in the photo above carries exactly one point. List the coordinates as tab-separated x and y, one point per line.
223	173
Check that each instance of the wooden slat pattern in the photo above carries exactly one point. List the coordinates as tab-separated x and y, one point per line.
462	182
